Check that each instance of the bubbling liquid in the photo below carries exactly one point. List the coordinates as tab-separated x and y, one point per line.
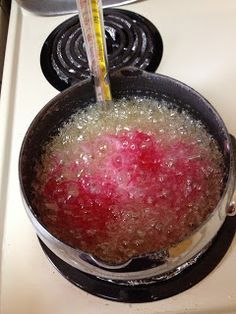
128	179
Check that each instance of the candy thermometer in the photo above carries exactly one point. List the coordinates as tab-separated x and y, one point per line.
91	19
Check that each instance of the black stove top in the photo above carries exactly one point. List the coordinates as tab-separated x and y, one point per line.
131	39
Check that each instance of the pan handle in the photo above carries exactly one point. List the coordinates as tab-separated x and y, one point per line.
231	210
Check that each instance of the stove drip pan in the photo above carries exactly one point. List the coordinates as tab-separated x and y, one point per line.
131	39
154	291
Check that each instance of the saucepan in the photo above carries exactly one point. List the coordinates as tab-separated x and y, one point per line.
129	82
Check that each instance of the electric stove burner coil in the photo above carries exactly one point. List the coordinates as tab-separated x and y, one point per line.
155	290
131	40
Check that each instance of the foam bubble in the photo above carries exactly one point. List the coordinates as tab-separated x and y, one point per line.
129	178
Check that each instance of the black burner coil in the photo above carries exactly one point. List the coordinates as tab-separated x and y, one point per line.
131	40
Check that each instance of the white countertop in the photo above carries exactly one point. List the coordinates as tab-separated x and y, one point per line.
199	49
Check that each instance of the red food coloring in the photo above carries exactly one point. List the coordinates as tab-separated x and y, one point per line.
127	194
